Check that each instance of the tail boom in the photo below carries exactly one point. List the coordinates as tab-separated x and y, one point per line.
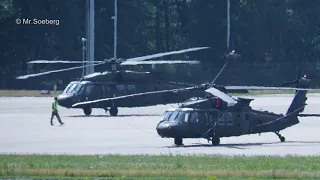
299	101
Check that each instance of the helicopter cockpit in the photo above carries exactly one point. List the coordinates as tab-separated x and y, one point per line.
66	98
180	120
186	115
176	116
73	87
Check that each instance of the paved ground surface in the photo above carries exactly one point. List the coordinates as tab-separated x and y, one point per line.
25	128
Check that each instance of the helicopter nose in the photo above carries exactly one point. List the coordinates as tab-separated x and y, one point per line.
65	101
166	129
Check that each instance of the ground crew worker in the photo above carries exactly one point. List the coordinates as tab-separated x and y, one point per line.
55	112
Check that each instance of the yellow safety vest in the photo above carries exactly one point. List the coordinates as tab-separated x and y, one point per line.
55	106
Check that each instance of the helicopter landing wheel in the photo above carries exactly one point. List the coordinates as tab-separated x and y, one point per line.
282	139
87	111
215	141
178	141
113	111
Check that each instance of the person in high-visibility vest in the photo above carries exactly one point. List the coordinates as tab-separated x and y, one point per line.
55	112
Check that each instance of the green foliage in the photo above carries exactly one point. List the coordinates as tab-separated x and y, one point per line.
205	166
267	32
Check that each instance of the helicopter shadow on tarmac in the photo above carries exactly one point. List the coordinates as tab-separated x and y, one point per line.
124	115
247	145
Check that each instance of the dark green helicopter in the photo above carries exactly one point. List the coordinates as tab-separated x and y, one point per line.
163	95
112	83
218	115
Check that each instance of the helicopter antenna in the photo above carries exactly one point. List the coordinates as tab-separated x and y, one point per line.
219	72
232	56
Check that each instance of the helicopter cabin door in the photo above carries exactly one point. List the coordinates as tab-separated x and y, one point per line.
211	119
93	92
243	123
198	123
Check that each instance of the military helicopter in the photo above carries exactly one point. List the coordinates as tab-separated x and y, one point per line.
219	115
164	95
112	83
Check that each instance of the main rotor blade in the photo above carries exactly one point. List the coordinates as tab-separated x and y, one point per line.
222	95
60	61
160	62
92	75
263	88
54	71
142	58
182	83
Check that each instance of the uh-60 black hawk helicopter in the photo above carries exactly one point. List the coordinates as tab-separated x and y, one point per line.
219	115
114	83
216	114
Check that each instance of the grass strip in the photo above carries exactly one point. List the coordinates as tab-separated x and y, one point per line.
160	166
25	93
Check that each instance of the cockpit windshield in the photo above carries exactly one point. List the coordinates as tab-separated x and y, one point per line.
73	88
178	116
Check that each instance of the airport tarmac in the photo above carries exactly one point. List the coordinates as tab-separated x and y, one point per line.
25	128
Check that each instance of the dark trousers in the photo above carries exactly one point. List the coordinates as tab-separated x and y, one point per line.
55	113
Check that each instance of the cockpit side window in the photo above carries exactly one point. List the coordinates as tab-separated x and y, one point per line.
177	116
69	88
186	117
166	115
194	117
182	116
77	88
88	89
173	116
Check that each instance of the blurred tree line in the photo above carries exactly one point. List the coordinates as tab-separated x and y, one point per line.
276	38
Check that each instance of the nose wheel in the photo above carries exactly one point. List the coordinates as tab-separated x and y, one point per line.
178	141
87	111
113	111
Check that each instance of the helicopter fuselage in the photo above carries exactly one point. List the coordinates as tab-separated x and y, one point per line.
80	91
203	123
85	91
212	119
